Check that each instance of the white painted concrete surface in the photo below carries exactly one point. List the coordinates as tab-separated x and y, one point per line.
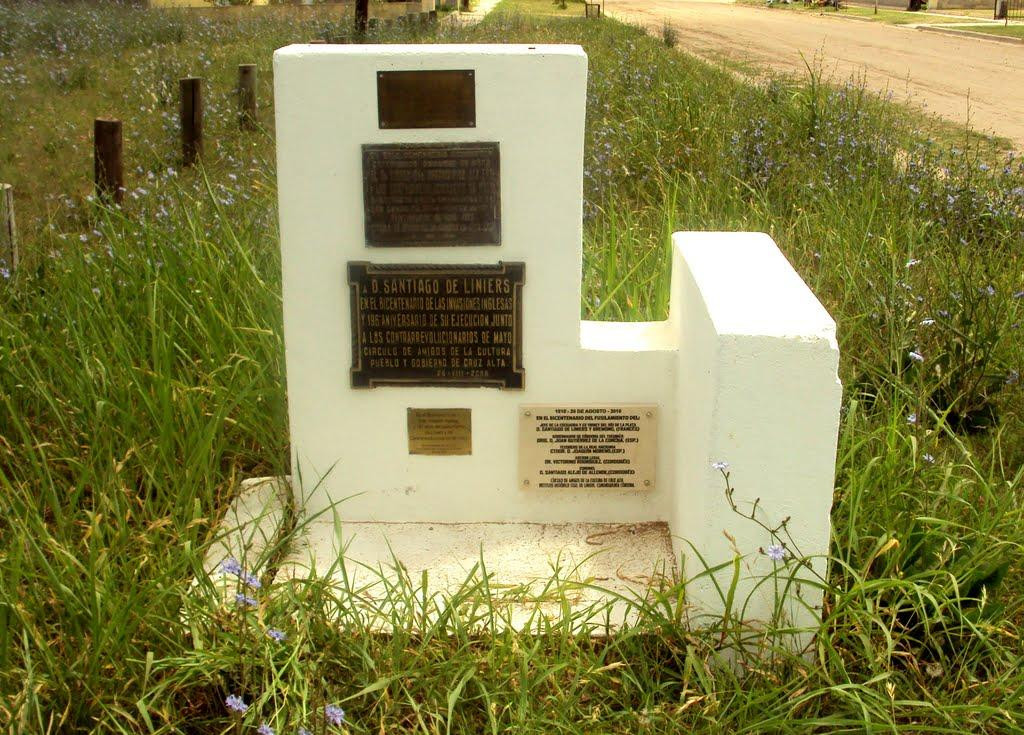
757	387
744	369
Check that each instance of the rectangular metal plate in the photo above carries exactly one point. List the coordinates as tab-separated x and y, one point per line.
451	325
432	194
588	446
440	431
432	98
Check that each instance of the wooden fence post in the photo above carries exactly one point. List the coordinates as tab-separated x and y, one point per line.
362	14
247	96
191	120
8	231
108	163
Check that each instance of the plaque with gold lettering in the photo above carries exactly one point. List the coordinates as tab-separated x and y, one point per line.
431	194
440	431
437	325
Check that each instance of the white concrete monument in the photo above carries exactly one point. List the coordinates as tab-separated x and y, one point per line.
447	405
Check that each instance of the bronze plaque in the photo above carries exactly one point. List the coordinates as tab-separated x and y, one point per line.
441	98
450	325
440	431
602	446
421	194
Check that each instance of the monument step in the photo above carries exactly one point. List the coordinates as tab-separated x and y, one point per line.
521	575
526	575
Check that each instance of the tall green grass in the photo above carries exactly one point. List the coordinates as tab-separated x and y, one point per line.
141	377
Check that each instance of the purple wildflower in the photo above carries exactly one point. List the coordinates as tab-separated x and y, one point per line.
265	729
251	580
231	566
277	635
334	714
775	552
245	600
236	704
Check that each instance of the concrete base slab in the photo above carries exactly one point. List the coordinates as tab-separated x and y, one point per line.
252	526
526	576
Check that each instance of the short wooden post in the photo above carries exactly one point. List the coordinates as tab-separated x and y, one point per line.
362	14
247	96
191	120
8	231
108	163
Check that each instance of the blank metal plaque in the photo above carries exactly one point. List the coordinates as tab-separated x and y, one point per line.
433	98
440	431
593	446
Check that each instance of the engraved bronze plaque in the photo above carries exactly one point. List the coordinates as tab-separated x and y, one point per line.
441	98
449	325
588	446
440	431
422	194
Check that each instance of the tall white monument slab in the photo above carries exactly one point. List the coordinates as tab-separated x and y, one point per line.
446	402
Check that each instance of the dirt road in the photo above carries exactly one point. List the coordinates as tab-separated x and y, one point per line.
946	75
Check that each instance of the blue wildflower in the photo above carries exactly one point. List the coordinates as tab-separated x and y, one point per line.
334	714
265	729
775	552
231	566
245	600
236	704
277	635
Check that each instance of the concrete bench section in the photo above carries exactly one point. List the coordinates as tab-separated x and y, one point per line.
452	416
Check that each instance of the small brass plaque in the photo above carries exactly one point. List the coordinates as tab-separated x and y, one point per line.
432	98
431	194
440	431
588	446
